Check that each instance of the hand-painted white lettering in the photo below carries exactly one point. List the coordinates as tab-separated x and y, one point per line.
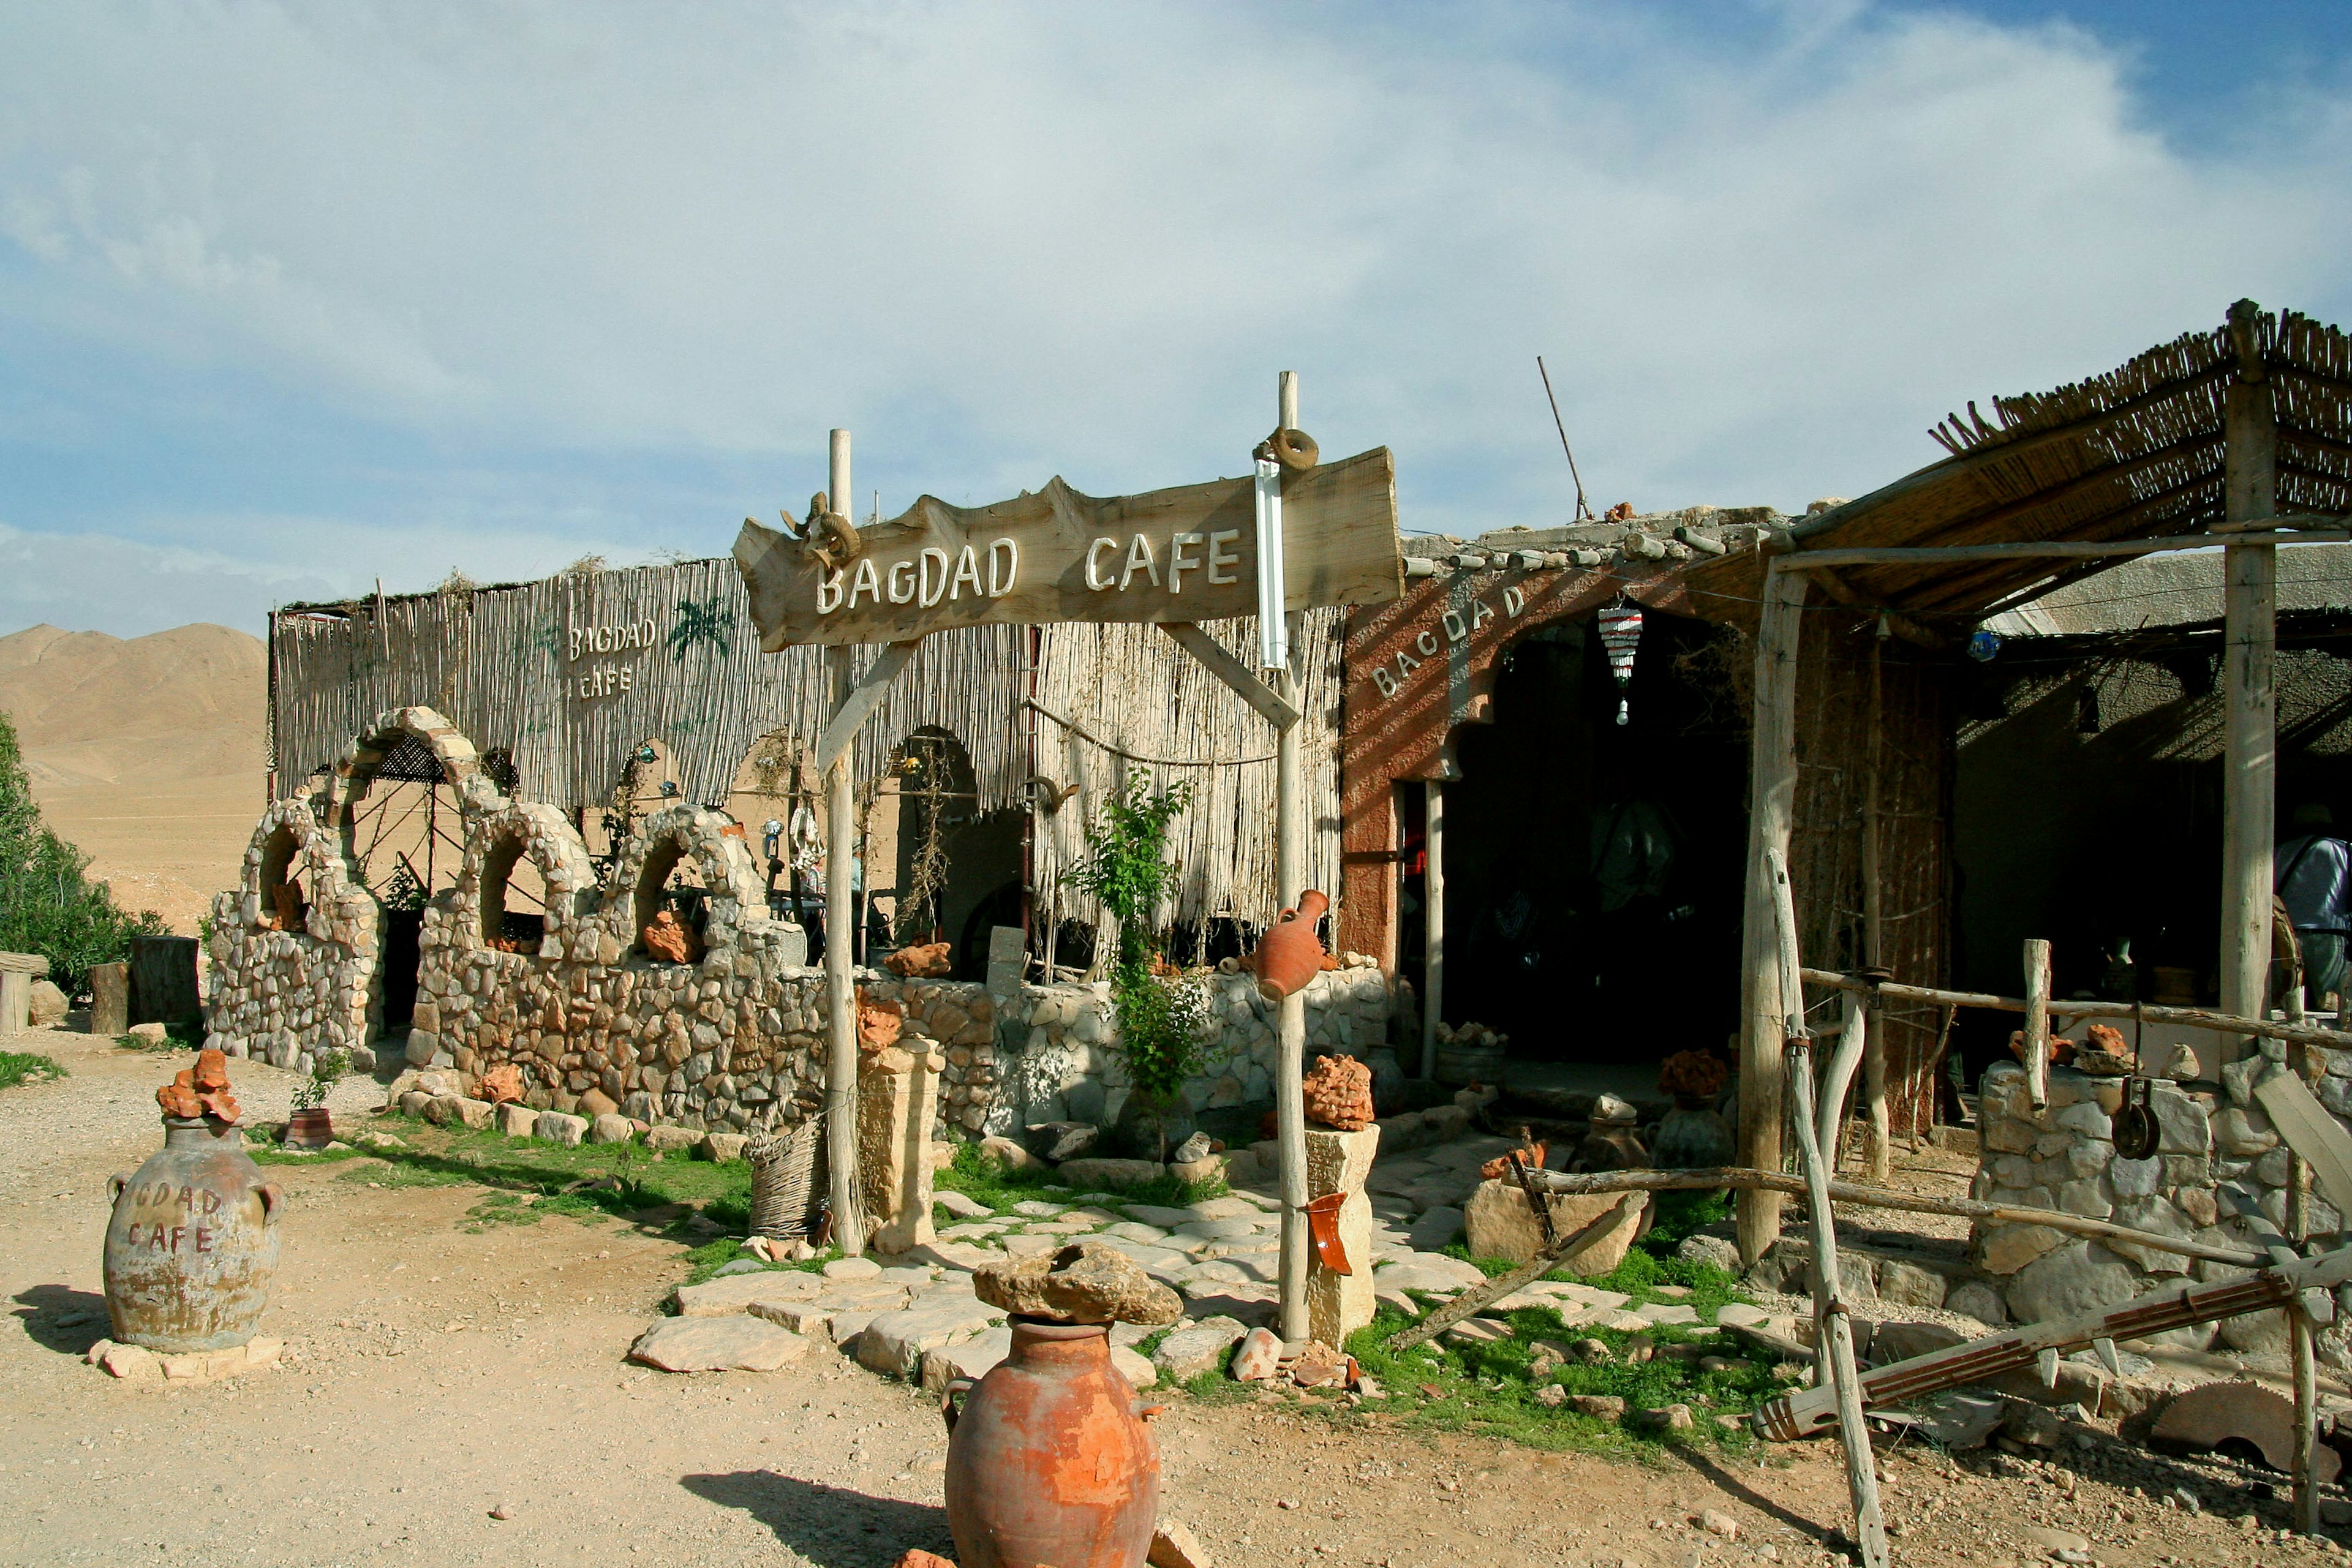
1177	564
1514	601
1427	643
1384	680
1455	629
1480	614
867	581
829	591
1138	559
929	590
902	582
1008	552
967	571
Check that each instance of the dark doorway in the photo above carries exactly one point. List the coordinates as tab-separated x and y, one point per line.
1594	884
401	955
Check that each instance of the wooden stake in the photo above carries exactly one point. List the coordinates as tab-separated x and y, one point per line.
1854	1032
2304	1353
1772	791
2037	1020
1432	934
1834	1326
840	912
2250	729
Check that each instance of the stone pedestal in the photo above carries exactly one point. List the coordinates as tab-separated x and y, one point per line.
897	1097
1338	1304
17	972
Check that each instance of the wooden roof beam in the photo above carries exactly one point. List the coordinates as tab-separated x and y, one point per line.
1839	589
1956	589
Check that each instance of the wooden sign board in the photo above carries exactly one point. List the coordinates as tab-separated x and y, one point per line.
1182	554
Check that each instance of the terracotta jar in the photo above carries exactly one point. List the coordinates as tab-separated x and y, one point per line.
193	1243
1049	1461
1290	954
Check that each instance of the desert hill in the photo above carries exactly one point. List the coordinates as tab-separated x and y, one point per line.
146	753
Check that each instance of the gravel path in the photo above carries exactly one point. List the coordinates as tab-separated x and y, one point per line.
435	1375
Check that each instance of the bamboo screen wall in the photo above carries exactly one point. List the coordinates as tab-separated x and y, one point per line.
1915	762
538	669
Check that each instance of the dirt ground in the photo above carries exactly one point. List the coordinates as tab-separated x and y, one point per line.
434	1375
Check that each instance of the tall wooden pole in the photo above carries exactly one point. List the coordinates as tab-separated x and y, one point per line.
1771	805
1290	1062
2250	736
840	913
1873	922
1432	933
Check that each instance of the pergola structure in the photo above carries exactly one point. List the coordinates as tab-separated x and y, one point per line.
2238	436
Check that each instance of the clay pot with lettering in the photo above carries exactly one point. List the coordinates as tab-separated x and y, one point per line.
194	1242
1290	954
1049	1461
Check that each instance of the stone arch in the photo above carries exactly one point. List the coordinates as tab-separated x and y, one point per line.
498	840
285	995
290	846
356	771
734	899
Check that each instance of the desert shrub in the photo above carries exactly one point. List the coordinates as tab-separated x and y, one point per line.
47	905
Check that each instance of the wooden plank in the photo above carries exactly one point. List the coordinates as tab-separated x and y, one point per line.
2312	1134
1227	667
1545	1260
866	696
1181	554
1772	789
2052	550
1432	923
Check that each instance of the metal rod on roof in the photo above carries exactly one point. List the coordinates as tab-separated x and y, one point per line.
1583	510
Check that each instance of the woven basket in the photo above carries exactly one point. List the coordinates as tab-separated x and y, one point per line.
784	1180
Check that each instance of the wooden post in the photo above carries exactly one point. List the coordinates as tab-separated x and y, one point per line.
109	998
2250	730
2037	1020
1834	1326
1290	1061
1433	923
840	912
1772	792
1873	920
2305	1357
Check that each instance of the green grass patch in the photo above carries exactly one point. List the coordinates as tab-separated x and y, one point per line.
506	1208
978	1175
26	1067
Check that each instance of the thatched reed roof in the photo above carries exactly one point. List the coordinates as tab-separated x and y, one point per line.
2135	453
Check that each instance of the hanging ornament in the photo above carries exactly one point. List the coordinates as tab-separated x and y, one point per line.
1621	633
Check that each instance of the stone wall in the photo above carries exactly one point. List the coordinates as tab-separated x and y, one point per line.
284	995
2214	1140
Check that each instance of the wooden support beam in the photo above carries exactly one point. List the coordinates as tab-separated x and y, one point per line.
1844	592
1433	923
1227	667
1735	1177
2051	550
2250	685
2306	1033
851	711
1772	794
840	989
2037	1020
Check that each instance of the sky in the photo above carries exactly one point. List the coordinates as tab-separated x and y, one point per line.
298	297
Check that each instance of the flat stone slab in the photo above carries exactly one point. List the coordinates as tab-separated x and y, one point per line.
975	1230
1478	1331
1158	1215
1428	1271
1664	1313
1037	1208
1223	1229
960	1206
893	1342
1186	1353
1439	1226
1028	1246
963	1256
1140	1373
1152	1257
1960	1419
975	1358
852	1268
734	1293
1226	1207
1135	1230
717	1344
1583	1294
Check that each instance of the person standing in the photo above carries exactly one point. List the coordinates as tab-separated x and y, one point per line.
2312	875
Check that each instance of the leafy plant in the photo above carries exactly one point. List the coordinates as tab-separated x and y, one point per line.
47	905
326	1067
1127	869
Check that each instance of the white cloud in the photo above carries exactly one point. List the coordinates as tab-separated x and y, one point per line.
1001	242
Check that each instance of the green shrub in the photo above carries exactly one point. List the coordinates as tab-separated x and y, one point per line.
47	906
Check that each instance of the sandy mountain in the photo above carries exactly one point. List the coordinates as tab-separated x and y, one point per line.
145	753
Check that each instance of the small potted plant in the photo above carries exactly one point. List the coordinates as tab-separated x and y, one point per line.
312	1126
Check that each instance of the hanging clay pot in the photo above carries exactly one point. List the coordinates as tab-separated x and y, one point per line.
1290	954
1049	1461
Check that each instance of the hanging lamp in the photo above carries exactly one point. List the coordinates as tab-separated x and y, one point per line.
1621	634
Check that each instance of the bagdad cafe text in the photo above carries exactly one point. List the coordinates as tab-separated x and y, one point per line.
1183	554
